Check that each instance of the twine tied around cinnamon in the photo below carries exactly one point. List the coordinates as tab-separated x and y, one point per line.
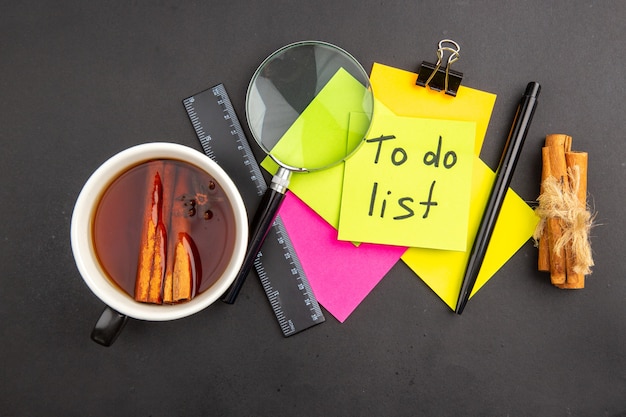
562	203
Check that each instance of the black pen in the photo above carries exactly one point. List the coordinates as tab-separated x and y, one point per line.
506	167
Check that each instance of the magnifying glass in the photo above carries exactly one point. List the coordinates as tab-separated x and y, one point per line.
309	106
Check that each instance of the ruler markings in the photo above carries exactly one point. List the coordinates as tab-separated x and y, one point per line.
277	265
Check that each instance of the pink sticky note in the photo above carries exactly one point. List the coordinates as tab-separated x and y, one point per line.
340	274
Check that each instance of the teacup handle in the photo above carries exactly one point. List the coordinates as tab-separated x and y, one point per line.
108	327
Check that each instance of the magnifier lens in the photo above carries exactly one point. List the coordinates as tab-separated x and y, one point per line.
309	105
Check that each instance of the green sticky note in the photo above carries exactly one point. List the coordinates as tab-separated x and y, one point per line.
321	189
409	184
322	135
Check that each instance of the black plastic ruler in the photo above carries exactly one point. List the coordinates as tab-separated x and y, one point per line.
216	124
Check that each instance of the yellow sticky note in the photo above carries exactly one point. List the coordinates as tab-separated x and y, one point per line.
397	90
443	270
409	184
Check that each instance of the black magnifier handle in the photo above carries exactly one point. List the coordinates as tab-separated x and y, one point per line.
263	220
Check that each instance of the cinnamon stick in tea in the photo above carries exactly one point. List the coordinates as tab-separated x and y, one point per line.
183	262
187	271
153	246
169	267
168	284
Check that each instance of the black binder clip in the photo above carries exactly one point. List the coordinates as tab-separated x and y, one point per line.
437	78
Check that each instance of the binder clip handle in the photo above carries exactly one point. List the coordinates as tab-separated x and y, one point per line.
437	78
454	51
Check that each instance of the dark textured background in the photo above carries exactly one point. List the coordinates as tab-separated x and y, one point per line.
80	81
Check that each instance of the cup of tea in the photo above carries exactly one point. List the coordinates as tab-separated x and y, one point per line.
158	232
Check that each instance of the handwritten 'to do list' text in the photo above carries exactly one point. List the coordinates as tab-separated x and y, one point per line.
409	184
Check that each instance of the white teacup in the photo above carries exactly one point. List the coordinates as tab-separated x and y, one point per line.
82	232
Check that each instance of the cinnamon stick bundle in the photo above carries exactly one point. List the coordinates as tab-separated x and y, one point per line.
562	233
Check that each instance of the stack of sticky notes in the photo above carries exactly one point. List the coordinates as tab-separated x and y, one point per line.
415	190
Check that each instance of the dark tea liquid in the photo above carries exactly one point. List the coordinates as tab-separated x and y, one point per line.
191	196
